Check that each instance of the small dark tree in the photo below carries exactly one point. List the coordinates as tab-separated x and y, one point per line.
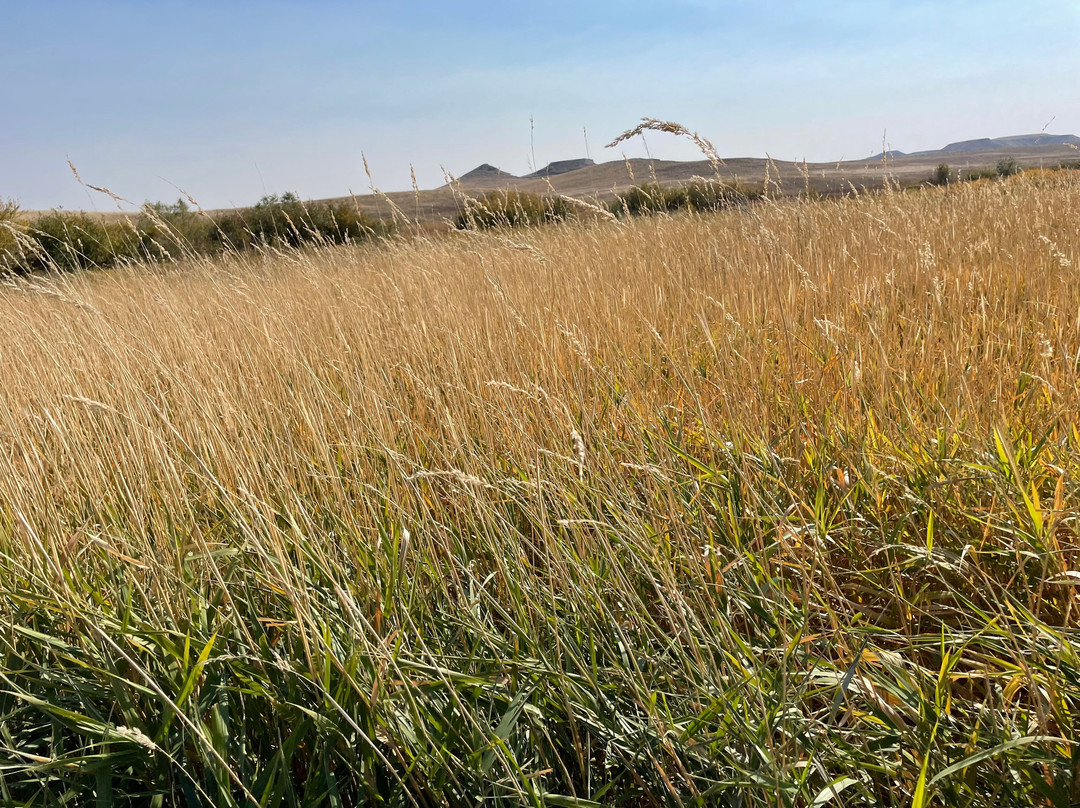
1007	167
165	209
170	230
9	219
941	174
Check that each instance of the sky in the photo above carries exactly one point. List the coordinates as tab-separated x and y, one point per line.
232	99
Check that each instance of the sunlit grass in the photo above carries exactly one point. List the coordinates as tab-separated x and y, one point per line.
774	506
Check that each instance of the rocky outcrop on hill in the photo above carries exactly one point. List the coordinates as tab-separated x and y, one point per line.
484	173
562	167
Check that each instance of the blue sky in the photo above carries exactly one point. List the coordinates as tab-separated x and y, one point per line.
233	99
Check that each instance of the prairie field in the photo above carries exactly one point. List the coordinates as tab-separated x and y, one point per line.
775	506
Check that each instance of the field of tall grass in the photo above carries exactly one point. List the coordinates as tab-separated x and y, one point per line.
774	506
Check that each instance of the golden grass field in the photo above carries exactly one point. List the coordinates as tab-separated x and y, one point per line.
774	506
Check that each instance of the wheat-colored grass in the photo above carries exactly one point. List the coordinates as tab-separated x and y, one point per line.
766	507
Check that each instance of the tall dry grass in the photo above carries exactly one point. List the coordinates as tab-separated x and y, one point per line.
767	507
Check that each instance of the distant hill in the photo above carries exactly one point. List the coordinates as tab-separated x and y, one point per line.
1010	142
991	144
584	177
561	167
981	144
1013	142
485	173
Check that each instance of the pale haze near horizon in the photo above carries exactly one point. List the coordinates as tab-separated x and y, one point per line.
233	100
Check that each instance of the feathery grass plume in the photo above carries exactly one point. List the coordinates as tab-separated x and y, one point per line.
579	452
670	127
396	213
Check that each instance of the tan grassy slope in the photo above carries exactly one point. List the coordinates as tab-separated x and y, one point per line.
666	511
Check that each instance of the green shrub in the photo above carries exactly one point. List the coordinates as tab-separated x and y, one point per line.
699	195
1008	167
285	221
61	241
705	195
174	230
643	200
512	209
9	221
1069	165
941	174
981	174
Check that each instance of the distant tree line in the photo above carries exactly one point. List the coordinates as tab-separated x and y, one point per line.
1005	167
65	241
521	209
